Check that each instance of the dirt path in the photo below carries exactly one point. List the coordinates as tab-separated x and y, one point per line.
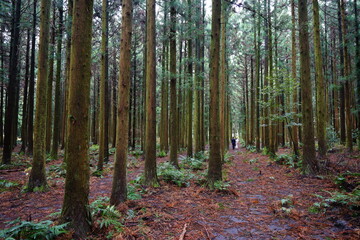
266	201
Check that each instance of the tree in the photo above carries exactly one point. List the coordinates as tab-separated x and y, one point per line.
310	164
295	129
30	112
104	122
150	136
38	175
320	83
190	82
57	111
174	118
119	187
10	113
75	209
215	165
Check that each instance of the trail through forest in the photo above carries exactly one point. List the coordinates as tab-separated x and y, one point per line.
265	200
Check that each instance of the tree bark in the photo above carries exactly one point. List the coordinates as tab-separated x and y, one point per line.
119	187
38	174
75	208
215	164
310	164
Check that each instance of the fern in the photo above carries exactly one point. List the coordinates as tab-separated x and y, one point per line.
31	230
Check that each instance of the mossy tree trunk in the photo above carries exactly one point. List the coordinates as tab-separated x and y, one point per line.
215	164
320	83
190	81
310	164
75	209
295	128
174	123
37	175
164	121
348	84
50	80
30	112
57	111
119	187
150	136
103	147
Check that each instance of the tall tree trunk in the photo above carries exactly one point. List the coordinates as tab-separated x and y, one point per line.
38	173
347	90
75	209
190	82
103	149
150	140
357	46
164	121
67	72
114	99
30	117
119	187
342	85
215	164
310	164
10	113
320	83
174	139
50	79
26	87
57	111
294	78
2	79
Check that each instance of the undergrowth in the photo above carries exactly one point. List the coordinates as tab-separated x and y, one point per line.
169	173
30	230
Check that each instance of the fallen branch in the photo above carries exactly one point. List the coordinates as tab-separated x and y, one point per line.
182	236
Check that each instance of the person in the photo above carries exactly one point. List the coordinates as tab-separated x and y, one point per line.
233	142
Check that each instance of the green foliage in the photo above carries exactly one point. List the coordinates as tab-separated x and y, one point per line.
287	201
203	155
221	185
289	160
112	151
136	153
31	230
107	215
6	185
332	137
132	192
228	157
171	174
265	151
57	170
251	148
94	149
350	200
192	163
162	154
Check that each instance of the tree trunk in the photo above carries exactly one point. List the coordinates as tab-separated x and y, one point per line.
294	78
32	84
190	82
320	83
75	208
347	71
215	164
50	79
174	139
57	111
38	173
310	164
103	149
119	187
150	140
10	113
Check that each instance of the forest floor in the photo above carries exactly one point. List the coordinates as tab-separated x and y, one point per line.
264	200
